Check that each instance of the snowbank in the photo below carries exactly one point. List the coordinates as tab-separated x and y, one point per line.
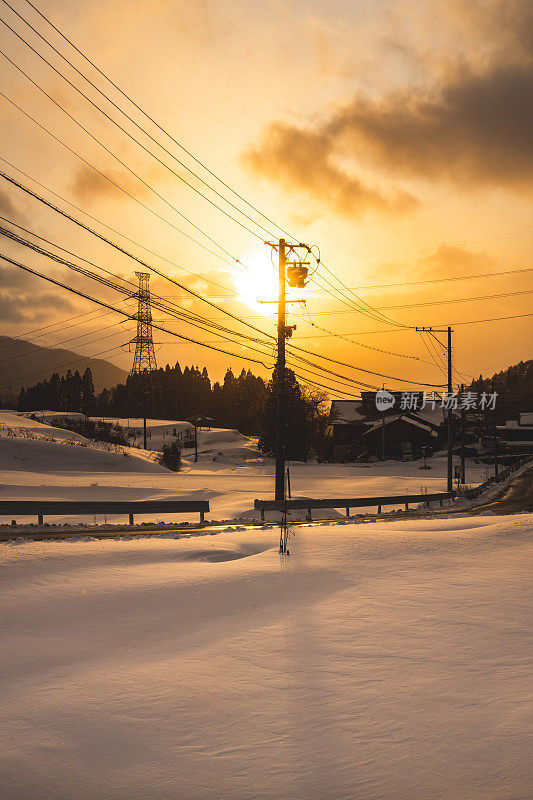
38	456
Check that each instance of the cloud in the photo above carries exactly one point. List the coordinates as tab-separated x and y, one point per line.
468	124
89	186
477	128
10	209
30	308
305	160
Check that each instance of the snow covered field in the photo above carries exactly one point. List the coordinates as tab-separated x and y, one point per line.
378	661
229	474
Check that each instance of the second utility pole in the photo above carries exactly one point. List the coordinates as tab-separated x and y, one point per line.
280	379
450	413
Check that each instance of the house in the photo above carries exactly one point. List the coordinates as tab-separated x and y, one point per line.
517	434
358	429
402	437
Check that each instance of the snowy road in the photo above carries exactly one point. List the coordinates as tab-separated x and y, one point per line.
377	662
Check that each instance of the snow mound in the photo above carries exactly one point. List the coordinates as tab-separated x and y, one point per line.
36	455
19	425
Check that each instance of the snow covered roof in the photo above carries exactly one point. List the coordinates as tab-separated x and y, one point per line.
409	419
345	411
513	424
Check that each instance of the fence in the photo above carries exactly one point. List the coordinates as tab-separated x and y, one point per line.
471	494
349	502
78	507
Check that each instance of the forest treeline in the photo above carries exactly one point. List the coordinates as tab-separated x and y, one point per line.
245	402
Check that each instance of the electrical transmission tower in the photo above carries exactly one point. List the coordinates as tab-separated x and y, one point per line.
144	358
144	362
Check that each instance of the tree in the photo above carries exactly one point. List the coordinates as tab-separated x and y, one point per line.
87	393
21	403
298	430
171	456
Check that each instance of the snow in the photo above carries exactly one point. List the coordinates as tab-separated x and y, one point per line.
229	473
346	411
376	661
407	419
21	425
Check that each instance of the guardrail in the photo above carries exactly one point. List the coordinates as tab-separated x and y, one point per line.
471	494
77	507
349	502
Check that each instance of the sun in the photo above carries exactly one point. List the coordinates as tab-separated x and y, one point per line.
257	281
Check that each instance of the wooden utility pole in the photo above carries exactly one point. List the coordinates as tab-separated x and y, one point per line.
296	274
450	413
495	437
463	416
449	418
280	377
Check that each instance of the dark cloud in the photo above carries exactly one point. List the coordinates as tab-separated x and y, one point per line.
476	128
29	308
305	160
472	126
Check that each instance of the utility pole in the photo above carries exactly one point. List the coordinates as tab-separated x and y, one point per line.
449	418
463	460
494	437
296	274
280	377
450	413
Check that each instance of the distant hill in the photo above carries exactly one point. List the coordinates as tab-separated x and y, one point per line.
24	364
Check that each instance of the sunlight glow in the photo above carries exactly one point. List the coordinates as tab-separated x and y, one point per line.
258	282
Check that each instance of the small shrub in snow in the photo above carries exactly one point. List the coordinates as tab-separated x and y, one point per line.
171	456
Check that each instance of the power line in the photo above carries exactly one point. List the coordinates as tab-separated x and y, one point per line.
153	121
358	369
146	133
197	322
444	280
123	313
106	177
373	312
233	259
113	230
126	252
359	344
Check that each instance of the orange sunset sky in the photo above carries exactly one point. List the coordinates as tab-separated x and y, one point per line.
397	135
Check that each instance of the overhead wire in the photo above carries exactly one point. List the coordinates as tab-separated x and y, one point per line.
153	121
158	194
139	127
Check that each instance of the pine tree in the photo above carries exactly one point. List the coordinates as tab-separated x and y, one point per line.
87	393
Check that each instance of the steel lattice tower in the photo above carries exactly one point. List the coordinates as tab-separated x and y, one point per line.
144	358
